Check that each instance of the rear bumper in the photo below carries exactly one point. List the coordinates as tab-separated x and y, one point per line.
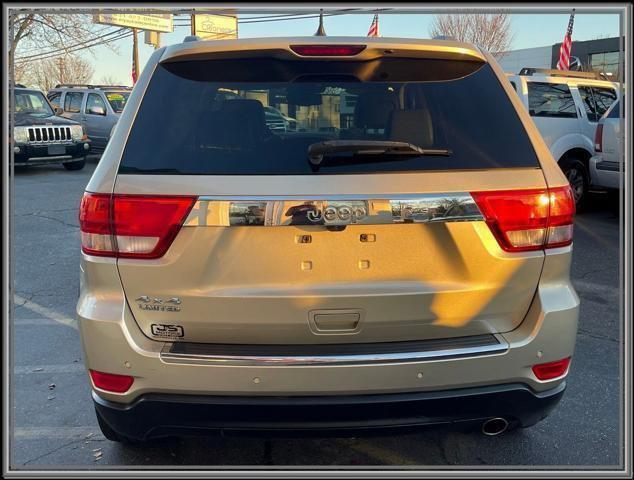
604	174
156	415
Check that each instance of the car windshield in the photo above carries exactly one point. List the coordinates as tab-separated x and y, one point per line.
117	100
225	119
33	104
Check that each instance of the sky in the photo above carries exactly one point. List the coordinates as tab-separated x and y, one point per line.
529	30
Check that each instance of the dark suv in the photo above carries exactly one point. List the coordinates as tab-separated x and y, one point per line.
40	136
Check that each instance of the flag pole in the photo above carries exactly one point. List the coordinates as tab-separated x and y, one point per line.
135	56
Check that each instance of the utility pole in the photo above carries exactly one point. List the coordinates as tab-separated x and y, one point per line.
193	22
60	63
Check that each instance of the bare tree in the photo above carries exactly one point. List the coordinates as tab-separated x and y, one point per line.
37	32
38	35
109	80
491	32
45	74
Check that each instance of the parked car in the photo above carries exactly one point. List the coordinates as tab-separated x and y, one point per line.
275	120
96	107
566	106
606	166
409	269
41	137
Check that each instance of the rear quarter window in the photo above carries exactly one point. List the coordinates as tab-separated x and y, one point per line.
72	102
217	122
550	100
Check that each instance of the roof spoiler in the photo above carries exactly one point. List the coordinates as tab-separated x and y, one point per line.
280	48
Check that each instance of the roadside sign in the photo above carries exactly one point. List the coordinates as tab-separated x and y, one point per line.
215	27
162	22
152	38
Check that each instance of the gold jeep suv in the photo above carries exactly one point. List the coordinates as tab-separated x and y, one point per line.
398	258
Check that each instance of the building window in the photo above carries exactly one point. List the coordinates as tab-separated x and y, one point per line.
606	62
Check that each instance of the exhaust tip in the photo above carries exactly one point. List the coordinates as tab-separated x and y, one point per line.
495	426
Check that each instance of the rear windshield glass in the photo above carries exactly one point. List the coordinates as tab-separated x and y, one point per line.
259	117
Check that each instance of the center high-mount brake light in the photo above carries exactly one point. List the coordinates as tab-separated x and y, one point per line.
131	226
525	220
327	50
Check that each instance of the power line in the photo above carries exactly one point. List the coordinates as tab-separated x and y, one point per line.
96	42
281	18
122	33
92	40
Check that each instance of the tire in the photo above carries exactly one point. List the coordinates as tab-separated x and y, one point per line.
112	435
577	175
78	165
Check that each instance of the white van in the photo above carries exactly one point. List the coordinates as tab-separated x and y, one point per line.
566	107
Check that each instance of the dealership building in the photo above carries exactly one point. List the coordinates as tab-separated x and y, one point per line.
601	55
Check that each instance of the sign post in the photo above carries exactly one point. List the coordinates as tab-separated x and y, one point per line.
153	38
154	23
162	22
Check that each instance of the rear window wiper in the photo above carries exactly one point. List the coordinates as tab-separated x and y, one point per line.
317	151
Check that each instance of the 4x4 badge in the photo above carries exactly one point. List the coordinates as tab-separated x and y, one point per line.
157	304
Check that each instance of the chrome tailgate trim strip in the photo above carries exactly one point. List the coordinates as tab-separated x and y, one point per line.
316	355
332	210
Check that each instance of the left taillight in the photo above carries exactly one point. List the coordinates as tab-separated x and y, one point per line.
525	220
598	138
131	226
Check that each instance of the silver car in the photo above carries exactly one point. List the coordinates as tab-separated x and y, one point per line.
96	107
606	166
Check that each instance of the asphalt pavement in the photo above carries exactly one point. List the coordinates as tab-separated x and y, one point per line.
54	423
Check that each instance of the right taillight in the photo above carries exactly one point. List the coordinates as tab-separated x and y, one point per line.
525	220
598	138
131	226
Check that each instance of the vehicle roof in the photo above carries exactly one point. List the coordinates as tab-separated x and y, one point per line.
279	47
93	88
567	80
27	89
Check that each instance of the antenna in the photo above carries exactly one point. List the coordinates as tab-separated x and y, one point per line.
320	31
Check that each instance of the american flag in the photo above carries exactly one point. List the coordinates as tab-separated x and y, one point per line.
374	27
566	46
135	56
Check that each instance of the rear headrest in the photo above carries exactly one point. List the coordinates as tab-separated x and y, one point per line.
237	123
412	126
373	109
